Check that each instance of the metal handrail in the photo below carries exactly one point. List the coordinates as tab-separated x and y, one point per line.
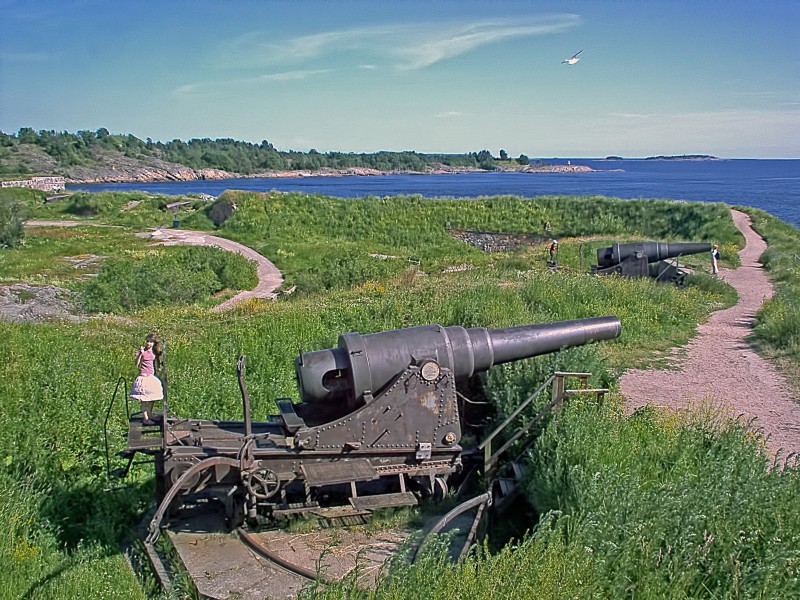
523	430
122	381
518	410
165	413
491	458
482	500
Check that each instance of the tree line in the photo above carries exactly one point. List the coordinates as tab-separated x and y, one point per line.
81	149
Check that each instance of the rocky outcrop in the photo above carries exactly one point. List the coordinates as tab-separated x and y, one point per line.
117	167
109	166
28	303
556	169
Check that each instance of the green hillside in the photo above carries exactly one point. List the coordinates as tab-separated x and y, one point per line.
101	155
647	506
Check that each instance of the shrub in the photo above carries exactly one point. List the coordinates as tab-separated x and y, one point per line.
12	217
174	275
220	211
86	204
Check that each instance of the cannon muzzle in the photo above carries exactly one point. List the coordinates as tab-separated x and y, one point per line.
365	364
653	251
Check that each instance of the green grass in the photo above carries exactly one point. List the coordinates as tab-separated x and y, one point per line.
166	276
628	505
322	243
778	320
641	507
45	257
68	372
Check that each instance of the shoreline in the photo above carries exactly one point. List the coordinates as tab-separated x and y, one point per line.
187	174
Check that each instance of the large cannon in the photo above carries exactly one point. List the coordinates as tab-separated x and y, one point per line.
647	259
379	424
338	379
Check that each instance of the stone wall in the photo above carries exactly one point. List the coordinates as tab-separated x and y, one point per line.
494	241
47	184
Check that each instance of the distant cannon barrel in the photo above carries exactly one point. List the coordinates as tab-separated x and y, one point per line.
653	251
367	363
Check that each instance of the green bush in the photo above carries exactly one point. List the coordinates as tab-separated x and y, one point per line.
84	204
176	275
12	217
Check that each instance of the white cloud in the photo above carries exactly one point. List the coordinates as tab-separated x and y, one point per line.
209	87
191	89
454	41
448	114
409	47
288	75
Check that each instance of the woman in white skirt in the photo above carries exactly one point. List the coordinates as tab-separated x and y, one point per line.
147	387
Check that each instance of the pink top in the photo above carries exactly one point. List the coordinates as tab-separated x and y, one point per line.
146	366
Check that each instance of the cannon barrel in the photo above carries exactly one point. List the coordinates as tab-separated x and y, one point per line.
365	364
653	251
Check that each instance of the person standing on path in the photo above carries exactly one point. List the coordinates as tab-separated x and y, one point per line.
714	259
147	387
553	251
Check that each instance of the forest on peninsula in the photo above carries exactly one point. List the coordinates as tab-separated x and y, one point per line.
25	153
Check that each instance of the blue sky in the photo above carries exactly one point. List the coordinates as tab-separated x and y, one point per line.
660	77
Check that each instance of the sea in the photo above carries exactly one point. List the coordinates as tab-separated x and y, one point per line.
772	185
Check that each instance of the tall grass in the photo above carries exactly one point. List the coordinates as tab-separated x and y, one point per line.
679	504
181	275
39	563
652	506
321	242
610	489
778	320
56	380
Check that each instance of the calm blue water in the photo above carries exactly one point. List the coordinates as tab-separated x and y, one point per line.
772	185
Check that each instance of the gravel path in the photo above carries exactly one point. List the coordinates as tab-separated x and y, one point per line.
269	277
721	367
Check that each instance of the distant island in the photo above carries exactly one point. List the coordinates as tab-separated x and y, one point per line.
684	157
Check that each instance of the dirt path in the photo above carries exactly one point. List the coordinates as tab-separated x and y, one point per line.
721	367
269	277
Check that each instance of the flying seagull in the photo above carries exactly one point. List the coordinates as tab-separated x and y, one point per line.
573	60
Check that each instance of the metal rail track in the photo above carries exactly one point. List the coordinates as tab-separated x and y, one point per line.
252	542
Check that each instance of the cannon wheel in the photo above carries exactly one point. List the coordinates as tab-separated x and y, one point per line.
434	487
178	486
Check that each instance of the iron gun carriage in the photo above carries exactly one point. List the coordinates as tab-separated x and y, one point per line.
647	259
379	425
